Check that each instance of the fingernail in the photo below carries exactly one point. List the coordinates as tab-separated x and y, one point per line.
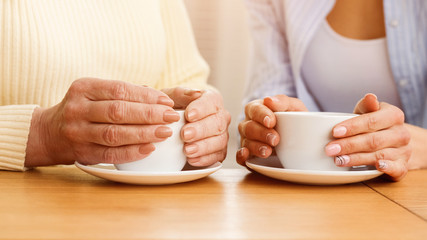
339	131
333	149
263	151
189	92
342	160
147	148
274	99
382	165
163	132
271	138
190	149
165	101
240	152
371	94
266	121
170	116
191	114
188	133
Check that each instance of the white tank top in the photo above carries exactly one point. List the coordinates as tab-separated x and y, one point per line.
339	71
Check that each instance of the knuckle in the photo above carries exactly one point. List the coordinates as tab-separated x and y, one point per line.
405	136
221	124
110	135
374	142
77	87
109	156
69	132
399	116
372	123
149	114
116	111
118	90
380	155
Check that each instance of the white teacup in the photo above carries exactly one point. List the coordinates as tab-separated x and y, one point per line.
167	157
303	137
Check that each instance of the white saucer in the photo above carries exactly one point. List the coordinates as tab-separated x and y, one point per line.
272	167
109	172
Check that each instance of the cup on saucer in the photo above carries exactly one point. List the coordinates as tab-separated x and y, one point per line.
303	137
167	157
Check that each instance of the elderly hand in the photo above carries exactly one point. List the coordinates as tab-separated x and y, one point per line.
100	121
377	137
206	133
257	134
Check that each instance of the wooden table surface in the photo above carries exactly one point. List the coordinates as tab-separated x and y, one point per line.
66	203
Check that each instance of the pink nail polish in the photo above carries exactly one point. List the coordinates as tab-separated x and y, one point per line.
333	149
339	131
342	160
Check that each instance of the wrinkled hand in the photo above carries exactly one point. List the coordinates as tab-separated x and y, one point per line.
100	121
377	137
206	132
257	134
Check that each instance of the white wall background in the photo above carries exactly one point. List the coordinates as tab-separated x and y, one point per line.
221	31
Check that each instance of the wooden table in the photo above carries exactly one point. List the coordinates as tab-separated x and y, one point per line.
66	203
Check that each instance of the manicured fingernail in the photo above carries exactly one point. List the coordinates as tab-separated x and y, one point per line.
190	149
342	160
147	148
333	149
165	101
191	114
170	116
163	132
263	151
271	138
266	121
382	165
339	131
188	133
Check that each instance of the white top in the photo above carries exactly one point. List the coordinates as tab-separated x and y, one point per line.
333	63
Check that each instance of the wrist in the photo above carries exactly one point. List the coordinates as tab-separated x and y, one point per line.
36	154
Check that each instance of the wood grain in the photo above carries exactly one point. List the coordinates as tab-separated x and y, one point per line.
66	203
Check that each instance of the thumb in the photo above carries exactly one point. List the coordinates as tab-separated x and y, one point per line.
369	103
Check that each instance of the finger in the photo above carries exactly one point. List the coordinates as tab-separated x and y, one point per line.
122	112
206	146
396	170
182	96
260	113
369	142
98	89
95	154
387	116
208	160
242	155
120	135
209	103
369	103
372	158
283	103
255	131
211	126
258	149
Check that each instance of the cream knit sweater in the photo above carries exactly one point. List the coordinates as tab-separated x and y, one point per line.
47	44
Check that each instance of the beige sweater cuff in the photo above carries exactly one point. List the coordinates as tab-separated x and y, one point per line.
15	122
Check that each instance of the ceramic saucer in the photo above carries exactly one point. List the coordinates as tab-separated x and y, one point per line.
272	167
109	172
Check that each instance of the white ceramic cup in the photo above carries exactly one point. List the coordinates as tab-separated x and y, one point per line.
303	137
167	157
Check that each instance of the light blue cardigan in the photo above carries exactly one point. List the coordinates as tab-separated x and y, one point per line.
283	29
